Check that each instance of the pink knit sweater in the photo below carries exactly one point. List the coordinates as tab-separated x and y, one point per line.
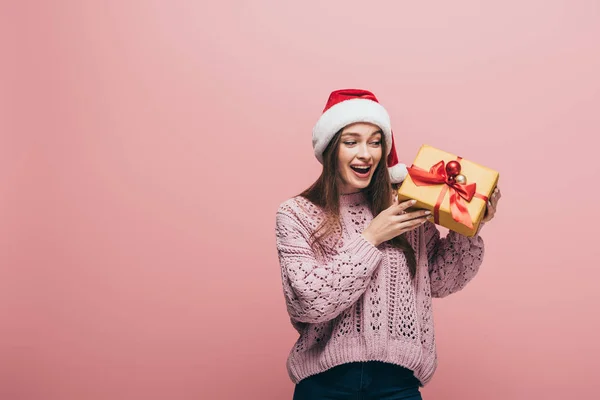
359	304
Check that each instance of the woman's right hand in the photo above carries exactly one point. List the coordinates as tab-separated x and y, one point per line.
394	221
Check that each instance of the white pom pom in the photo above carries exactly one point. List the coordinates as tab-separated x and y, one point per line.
397	173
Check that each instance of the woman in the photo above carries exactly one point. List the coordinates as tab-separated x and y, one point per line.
358	271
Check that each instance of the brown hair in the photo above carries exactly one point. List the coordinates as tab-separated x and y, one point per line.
325	194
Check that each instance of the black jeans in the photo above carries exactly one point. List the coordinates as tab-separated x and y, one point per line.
371	380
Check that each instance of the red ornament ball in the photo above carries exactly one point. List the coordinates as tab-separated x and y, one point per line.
453	168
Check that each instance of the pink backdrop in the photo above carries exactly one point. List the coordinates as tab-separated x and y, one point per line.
145	147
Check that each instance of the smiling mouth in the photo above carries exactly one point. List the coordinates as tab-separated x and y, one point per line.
361	170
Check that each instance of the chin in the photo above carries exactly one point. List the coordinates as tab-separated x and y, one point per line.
352	184
359	185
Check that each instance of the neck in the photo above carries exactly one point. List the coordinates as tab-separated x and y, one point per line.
352	198
355	191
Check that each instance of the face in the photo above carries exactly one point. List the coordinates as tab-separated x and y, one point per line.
358	156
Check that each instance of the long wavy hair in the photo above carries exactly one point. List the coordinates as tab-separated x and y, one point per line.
325	193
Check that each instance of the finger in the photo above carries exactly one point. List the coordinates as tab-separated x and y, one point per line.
407	216
497	193
412	217
490	212
398	208
493	199
416	214
411	224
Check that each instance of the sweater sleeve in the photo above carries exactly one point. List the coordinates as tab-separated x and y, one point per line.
318	291
453	260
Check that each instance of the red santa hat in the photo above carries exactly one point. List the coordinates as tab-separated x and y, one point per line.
348	106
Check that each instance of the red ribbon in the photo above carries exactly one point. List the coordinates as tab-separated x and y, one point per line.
459	193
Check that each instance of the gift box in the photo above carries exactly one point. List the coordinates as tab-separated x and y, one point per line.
456	190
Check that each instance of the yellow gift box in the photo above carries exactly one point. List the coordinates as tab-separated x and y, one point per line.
456	190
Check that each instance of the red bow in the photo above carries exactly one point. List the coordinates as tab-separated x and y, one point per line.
459	193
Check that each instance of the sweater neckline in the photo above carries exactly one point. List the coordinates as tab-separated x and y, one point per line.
352	198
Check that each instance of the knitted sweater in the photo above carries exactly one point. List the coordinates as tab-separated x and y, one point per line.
358	303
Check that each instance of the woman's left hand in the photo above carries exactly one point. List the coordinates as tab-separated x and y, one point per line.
492	204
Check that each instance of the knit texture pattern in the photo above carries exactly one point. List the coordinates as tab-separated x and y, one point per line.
357	302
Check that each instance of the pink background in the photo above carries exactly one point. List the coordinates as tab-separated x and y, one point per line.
146	145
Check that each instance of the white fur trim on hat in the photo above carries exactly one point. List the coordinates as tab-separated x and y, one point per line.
398	173
345	113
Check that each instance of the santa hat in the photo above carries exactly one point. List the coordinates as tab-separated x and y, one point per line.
348	106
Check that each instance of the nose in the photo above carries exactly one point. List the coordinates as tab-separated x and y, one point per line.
363	152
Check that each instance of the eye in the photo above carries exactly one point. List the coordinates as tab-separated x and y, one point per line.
376	143
349	143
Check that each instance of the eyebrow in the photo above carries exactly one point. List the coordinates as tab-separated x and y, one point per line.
354	134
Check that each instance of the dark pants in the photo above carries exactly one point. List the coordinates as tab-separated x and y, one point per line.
360	380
